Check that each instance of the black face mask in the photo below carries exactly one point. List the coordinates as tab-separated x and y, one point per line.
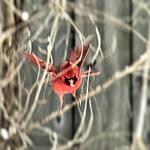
67	80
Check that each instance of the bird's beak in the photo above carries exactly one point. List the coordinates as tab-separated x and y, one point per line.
71	83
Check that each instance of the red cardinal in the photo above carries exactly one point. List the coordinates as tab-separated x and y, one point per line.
65	78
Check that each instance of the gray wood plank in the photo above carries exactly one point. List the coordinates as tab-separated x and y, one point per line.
63	124
111	108
111	127
141	24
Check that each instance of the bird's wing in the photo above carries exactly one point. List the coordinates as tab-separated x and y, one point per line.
38	62
79	54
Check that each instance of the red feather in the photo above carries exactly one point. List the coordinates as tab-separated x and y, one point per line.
79	53
67	77
32	58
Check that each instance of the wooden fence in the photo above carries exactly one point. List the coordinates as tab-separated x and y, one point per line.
117	116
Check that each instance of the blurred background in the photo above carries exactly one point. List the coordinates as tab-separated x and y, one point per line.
115	108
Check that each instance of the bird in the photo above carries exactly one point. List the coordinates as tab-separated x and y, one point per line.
66	77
